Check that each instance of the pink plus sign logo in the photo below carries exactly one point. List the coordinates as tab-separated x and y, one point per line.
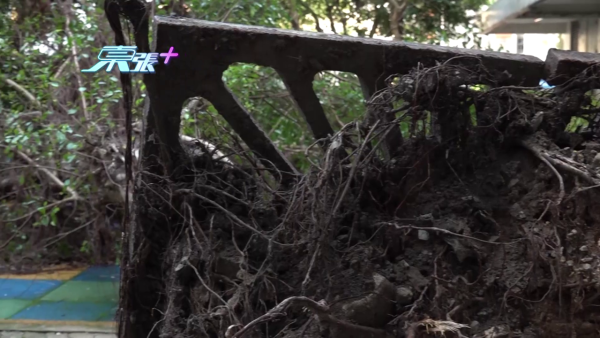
169	55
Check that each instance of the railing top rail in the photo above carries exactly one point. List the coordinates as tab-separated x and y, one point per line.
207	48
275	47
259	30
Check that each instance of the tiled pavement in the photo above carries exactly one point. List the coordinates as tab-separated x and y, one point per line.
85	298
20	334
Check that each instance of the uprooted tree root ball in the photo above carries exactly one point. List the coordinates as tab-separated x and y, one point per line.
484	223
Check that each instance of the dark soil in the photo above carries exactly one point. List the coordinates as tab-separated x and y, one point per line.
485	225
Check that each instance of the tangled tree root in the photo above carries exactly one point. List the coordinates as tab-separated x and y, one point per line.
484	225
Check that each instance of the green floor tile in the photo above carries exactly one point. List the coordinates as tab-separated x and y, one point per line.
9	307
76	291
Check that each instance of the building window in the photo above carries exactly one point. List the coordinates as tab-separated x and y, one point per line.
519	43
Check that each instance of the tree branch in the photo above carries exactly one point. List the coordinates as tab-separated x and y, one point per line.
62	68
330	16
51	176
314	15
376	22
294	15
74	56
229	11
23	91
397	18
343	79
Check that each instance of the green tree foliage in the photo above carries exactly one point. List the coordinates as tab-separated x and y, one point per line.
60	117
410	20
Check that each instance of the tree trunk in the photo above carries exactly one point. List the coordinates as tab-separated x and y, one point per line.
398	8
294	15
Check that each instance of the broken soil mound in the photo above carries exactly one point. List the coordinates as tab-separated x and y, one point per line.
483	224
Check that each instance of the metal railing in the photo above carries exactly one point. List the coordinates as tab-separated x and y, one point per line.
207	49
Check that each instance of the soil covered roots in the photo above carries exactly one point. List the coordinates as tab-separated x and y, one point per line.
485	224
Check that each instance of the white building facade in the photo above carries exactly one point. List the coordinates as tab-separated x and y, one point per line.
533	26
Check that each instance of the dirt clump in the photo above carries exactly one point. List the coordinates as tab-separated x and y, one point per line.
484	225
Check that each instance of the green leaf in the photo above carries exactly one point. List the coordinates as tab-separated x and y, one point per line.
69	158
54	84
72	111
